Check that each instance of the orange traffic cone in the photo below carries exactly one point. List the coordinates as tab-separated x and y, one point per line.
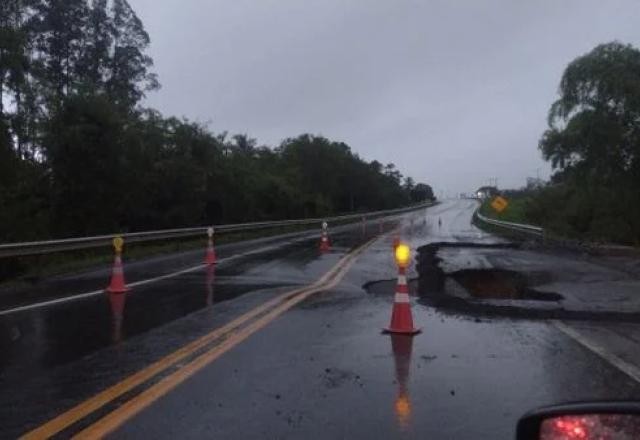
210	256
325	244
117	284
401	318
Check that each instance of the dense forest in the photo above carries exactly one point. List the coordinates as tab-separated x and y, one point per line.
80	154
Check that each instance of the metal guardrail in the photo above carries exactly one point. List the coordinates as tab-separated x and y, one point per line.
66	244
594	248
519	227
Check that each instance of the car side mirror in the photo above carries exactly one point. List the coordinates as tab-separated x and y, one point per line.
582	421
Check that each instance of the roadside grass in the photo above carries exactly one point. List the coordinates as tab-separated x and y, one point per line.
557	231
514	212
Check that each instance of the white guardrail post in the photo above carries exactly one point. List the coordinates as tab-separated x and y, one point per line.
66	244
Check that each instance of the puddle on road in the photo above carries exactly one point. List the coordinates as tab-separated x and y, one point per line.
500	284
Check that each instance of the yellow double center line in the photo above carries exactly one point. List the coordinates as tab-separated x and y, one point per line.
231	334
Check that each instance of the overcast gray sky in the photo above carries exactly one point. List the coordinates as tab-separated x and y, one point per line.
452	92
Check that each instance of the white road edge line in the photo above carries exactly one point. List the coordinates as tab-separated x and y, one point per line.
629	369
79	296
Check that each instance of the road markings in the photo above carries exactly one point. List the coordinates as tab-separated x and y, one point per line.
87	407
627	368
281	303
132	407
79	296
95	292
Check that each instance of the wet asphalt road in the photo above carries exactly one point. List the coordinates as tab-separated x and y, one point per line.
55	356
320	370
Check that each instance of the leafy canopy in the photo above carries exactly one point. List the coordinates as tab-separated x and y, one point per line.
594	127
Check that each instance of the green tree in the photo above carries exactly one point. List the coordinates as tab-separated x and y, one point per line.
10	48
15	40
593	142
409	184
60	34
86	157
95	59
422	192
244	144
129	75
594	126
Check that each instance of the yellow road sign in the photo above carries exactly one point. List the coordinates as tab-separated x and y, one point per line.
499	204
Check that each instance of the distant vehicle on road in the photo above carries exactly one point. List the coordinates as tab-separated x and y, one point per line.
485	192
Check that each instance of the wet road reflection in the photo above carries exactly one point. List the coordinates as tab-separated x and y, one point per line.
401	346
117	302
35	341
209	283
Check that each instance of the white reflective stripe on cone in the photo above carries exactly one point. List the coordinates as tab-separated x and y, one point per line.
402	279
402	298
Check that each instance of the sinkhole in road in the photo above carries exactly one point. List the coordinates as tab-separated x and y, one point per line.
454	289
500	284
